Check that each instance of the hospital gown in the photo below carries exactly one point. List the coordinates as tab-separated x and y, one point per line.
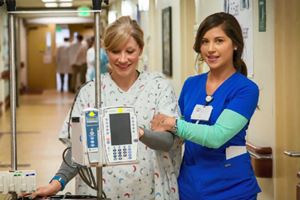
155	174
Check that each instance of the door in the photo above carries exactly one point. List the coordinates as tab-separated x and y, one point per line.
41	61
287	73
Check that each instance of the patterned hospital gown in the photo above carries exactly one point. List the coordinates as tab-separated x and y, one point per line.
155	176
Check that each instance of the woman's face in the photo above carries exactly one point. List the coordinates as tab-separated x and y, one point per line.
217	49
124	60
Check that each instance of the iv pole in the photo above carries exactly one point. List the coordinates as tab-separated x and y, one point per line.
97	6
11	8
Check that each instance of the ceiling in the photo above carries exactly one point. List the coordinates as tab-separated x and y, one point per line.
35	4
40	11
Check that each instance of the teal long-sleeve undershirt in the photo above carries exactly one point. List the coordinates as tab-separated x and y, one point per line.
214	136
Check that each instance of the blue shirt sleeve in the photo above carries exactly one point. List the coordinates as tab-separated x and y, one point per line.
181	98
245	100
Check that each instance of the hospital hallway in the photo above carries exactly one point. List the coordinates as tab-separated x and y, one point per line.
39	119
32	32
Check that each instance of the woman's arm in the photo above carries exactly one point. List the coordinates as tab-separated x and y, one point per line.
162	140
67	172
226	127
59	181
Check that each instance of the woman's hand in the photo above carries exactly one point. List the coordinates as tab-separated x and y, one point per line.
48	190
141	132
161	122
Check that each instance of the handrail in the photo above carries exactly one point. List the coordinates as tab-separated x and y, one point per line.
261	160
262	151
260	156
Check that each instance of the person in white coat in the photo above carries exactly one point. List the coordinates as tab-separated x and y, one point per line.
63	64
77	56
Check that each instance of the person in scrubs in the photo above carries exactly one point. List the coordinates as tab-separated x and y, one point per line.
216	109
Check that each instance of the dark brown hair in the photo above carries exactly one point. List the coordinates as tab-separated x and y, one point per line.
232	29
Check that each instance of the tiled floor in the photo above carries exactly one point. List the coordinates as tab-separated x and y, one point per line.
39	119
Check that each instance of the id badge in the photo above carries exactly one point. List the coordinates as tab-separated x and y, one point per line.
201	112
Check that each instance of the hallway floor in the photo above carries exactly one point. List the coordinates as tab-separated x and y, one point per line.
39	119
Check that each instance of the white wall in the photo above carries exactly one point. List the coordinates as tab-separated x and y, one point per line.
262	128
3	53
205	8
155	43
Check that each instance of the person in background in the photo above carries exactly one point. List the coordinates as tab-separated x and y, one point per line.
90	58
155	175
216	109
81	59
62	63
77	56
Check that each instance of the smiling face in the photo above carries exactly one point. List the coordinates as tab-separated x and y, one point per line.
217	49
124	60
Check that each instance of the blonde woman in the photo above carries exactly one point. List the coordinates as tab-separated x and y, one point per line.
155	176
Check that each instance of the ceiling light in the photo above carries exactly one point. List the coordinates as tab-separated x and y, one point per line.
65	0
47	1
59	20
65	4
51	5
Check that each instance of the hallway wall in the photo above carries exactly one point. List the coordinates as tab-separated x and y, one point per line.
262	128
4	87
155	43
287	51
188	22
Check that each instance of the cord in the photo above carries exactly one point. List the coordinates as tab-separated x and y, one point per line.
85	173
72	107
66	194
64	158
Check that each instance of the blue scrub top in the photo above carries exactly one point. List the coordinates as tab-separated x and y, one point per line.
104	61
205	173
103	66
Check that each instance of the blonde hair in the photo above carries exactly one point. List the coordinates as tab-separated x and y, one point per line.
118	33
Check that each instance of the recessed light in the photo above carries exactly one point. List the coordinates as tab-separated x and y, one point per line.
48	1
51	5
65	4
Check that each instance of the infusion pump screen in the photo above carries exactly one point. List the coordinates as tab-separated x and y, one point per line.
120	128
120	134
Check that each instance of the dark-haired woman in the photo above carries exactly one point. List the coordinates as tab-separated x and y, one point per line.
216	109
